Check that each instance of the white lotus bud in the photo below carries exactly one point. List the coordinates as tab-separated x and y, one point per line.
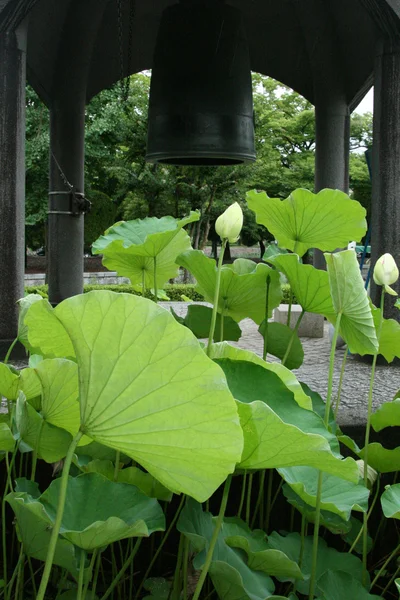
386	272
230	223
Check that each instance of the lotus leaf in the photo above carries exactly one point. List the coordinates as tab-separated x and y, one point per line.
328	558
351	536
337	585
382	459
338	496
390	501
387	415
97	511
46	335
230	572
198	320
249	382
309	285
224	350
243	285
278	339
24	305
350	299
9	382
389	338
7	441
147	389
333	522
327	220
35	533
318	406
131	247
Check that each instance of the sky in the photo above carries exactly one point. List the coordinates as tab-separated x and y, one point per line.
367	104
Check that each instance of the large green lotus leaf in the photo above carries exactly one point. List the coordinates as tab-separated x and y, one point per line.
7	441
198	320
147	389
9	382
254	543
318	406
389	338
224	350
387	415
130	248
350	298
330	520
272	251
390	501
270	443
97	511
338	496
327	220
337	585
52	443
29	384
310	286
232	576
328	558
46	335
24	305
382	459
150	235
278	340
34	533
249	382
132	475
243	285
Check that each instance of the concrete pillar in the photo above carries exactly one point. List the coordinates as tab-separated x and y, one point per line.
332	148
67	141
385	231
12	180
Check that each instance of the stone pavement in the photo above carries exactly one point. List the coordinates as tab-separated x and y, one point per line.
314	371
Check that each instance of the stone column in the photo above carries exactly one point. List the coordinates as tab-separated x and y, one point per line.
67	141
332	150
385	229
12	180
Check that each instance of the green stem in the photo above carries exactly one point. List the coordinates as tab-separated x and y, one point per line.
36	450
80	578
3	516
346	353
123	569
185	567
248	500
8	590
269	499
395	574
32	577
369	514
242	495
214	538
155	281
96	574
116	466
91	566
289	313
366	441
260	498
20	577
265	344
160	547
292	337
7	357
221	335
302	540
216	297
313	577
385	564
176	588
59	514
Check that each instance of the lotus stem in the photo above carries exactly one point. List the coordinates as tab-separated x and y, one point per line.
367	433
265	344
3	516
160	547
260	498
216	297
185	567
248	500
269	499
155	280
92	563
176	588
289	314
242	495
368	516
80	578
11	348
123	569
385	564
36	451
294	333
57	523
221	335
214	538
346	353
313	578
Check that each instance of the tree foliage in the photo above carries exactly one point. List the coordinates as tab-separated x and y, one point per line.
122	185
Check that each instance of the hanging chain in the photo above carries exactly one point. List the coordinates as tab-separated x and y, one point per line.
125	72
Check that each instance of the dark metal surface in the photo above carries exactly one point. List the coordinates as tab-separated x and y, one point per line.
201	106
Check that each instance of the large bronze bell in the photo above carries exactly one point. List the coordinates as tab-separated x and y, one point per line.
201	105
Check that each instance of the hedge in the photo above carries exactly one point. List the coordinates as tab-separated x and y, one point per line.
174	291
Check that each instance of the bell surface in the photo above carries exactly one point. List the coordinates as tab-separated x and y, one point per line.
201	102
